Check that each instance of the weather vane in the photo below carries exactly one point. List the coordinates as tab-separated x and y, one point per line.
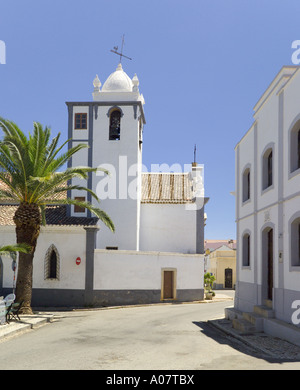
120	54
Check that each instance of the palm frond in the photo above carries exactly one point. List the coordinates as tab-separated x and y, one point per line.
8	249
102	215
30	169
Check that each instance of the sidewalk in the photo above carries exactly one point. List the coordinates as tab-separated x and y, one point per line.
27	323
270	347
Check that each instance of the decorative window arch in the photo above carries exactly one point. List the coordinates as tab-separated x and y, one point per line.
115	114
246	184
267	168
246	249
52	263
295	147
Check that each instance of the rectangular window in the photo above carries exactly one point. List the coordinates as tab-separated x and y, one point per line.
246	250
78	209
81	121
246	185
112	248
270	169
295	243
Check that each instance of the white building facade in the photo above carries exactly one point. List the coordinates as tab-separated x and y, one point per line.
268	202
161	211
157	250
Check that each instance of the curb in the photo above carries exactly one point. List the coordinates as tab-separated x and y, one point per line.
27	323
235	335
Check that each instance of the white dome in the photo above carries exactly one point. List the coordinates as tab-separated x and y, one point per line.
118	81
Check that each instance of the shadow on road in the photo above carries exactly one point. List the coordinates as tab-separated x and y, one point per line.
223	338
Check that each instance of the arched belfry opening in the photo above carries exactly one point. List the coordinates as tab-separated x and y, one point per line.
115	125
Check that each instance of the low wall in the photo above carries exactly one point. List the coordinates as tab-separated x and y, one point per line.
103	277
132	277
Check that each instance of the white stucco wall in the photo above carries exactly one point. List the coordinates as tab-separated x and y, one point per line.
129	270
120	157
70	243
167	228
275	114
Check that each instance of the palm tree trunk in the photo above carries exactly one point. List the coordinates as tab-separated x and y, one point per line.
28	221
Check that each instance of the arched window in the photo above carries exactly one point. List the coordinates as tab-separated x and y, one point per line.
115	125
52	263
295	148
246	250
246	184
267	169
295	242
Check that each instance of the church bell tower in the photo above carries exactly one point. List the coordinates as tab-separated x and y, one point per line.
112	125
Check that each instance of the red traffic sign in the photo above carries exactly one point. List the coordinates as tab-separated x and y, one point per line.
78	260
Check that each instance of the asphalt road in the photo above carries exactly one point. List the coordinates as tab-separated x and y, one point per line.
156	337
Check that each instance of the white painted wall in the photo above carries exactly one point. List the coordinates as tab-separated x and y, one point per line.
121	158
264	205
122	270
167	228
70	243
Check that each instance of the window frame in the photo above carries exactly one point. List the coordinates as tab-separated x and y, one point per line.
267	168
295	242
47	264
80	115
246	249
246	184
78	209
294	148
111	136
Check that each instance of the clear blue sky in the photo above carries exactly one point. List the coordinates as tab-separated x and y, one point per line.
202	66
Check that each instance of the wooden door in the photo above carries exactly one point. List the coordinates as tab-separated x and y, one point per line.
270	264
168	285
228	278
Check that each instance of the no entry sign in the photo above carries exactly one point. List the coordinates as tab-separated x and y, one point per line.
78	260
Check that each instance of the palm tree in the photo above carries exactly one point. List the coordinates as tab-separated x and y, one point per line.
30	172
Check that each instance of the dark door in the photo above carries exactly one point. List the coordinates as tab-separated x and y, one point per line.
228	278
270	264
168	284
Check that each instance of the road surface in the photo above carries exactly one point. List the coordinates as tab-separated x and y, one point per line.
154	337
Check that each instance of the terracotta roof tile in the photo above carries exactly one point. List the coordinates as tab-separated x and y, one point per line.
55	215
166	188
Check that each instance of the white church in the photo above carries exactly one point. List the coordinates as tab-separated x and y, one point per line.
157	250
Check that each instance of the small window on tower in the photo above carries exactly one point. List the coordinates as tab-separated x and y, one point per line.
77	208
80	121
115	125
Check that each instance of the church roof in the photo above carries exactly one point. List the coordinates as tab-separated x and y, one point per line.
167	188
55	215
157	188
